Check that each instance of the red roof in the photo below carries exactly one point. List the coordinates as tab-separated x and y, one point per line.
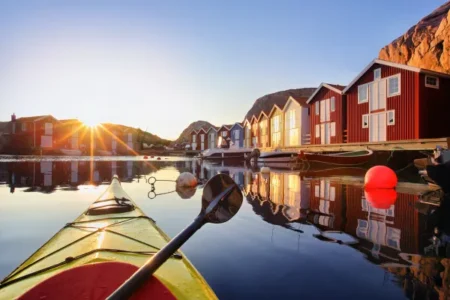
34	118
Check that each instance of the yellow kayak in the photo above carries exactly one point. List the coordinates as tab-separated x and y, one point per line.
90	257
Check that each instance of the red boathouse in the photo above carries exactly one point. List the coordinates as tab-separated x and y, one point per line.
389	101
328	114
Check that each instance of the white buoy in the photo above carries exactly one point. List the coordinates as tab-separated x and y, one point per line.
265	173
186	179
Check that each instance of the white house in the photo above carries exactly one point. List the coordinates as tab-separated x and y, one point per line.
296	121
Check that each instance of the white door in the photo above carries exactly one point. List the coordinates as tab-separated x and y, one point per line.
212	141
325	130
377	127
202	142
46	141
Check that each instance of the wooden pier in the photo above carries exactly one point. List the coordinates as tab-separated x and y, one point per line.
412	145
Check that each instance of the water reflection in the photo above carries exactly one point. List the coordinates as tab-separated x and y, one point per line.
410	244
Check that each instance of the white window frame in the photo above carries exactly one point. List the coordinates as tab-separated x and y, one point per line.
365	119
236	134
366	99
48	128
193	138
436	86
377	74
388	118
291	118
333	104
224	133
388	88
317	105
317	130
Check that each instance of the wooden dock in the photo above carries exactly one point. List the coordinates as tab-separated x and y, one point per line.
412	145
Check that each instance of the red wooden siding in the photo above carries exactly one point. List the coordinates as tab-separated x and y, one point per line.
403	104
434	106
339	115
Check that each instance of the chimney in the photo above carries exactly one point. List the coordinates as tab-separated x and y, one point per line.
13	117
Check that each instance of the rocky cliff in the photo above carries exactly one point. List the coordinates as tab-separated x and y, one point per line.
265	103
184	136
425	45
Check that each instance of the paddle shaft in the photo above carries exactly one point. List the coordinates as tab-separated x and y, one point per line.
127	289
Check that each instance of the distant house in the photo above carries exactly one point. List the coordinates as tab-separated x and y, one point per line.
264	130
247	133
237	135
72	134
202	139
131	142
194	139
328	114
212	137
296	121
223	134
389	101
254	132
108	139
276	127
30	133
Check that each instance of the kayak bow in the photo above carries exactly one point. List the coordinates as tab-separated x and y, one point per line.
92	256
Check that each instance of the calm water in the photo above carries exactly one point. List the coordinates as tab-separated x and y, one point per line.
297	235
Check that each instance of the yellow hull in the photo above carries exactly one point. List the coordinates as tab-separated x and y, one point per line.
123	234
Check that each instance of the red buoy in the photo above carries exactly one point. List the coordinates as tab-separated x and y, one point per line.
159	158
380	177
145	157
381	198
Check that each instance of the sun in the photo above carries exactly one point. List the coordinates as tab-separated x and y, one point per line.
90	123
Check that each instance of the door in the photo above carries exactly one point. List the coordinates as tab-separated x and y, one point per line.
130	140
377	127
46	141
74	172
202	142
325	130
212	141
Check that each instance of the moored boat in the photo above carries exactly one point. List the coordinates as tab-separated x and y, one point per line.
351	158
278	156
226	154
92	256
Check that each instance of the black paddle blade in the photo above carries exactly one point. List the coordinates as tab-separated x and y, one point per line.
221	199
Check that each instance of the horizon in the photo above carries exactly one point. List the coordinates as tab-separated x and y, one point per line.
170	64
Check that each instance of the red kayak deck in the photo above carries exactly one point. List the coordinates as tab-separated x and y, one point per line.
95	282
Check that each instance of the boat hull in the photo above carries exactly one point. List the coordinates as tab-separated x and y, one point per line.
107	233
336	159
222	155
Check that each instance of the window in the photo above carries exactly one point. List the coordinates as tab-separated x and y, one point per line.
333	129
317	105
365	121
431	82
24	126
317	130
202	138
224	133
13	130
393	85
276	124
391	117
236	134
193	138
362	93
333	103
377	74
48	128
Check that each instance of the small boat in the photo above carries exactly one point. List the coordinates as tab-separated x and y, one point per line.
351	158
440	156
225	154
278	156
92	256
437	175
71	152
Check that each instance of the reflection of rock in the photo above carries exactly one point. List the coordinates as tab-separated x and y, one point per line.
425	45
185	192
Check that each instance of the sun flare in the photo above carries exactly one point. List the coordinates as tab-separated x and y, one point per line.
90	123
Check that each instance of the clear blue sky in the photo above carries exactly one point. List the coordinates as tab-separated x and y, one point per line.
161	65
